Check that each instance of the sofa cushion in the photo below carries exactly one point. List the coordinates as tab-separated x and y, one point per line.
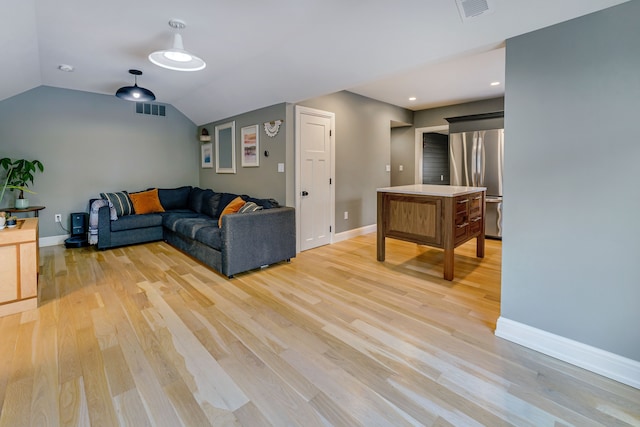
130	222
249	207
145	202
210	202
210	236
120	201
174	198
195	199
225	199
234	206
188	227
170	219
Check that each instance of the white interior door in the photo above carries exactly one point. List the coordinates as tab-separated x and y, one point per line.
315	178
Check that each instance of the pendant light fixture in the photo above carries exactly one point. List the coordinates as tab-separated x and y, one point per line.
177	58
135	92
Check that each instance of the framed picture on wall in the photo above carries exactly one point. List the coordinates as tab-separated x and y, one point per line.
207	155
250	146
226	148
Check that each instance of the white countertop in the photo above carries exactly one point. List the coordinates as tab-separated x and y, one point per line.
432	190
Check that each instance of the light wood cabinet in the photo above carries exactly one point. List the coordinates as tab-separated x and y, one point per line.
440	216
19	267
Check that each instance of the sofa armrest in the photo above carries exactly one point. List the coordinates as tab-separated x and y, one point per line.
104	228
252	240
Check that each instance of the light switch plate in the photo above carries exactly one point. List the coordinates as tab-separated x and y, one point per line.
280	167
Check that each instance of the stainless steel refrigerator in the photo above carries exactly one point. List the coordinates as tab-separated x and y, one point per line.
476	159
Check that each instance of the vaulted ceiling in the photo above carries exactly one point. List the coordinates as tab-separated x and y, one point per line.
261	53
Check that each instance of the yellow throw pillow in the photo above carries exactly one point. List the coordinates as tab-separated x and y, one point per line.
146	202
233	207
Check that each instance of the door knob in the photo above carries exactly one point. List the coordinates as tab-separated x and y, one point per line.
305	193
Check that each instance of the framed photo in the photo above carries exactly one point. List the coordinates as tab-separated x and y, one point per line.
250	146
207	155
226	148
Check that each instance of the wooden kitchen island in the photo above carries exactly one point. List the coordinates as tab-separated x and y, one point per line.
441	216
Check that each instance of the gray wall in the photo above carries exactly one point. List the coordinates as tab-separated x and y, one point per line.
403	153
571	246
362	152
403	139
91	143
263	181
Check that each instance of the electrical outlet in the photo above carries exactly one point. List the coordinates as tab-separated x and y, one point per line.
346	215
58	217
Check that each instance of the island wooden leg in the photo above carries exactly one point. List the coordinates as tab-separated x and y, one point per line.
480	246
381	247
380	227
448	264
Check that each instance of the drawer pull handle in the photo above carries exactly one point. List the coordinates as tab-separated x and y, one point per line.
462	225
462	201
476	219
477	198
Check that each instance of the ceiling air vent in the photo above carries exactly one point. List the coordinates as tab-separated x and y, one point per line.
151	109
470	9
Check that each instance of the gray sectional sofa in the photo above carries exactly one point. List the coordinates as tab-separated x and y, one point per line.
242	242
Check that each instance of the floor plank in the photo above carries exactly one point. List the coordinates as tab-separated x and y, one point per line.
147	336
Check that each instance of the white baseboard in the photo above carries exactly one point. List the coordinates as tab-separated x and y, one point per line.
345	235
53	240
610	365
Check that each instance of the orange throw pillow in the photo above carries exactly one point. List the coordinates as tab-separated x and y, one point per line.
233	207
146	202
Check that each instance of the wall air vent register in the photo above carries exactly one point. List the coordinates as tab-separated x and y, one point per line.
151	109
470	9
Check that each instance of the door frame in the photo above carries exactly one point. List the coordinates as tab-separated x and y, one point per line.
417	179
299	110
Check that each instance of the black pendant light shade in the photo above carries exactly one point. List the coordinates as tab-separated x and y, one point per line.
135	92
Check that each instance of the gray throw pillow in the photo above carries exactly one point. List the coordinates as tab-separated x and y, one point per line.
250	207
120	201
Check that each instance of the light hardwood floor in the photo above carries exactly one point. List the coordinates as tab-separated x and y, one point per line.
145	335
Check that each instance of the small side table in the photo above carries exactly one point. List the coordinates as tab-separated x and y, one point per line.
34	209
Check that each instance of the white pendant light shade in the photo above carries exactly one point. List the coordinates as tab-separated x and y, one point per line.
177	58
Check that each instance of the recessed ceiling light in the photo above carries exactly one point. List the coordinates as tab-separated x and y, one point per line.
413	98
495	83
66	68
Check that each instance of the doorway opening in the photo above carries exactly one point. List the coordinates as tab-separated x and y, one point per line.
419	151
435	158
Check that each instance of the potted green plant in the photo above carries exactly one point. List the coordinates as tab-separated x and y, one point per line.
20	174
5	185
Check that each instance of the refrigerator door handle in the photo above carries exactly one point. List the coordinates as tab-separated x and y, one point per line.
499	218
481	161
474	160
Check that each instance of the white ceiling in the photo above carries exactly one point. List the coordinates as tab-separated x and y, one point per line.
264	52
